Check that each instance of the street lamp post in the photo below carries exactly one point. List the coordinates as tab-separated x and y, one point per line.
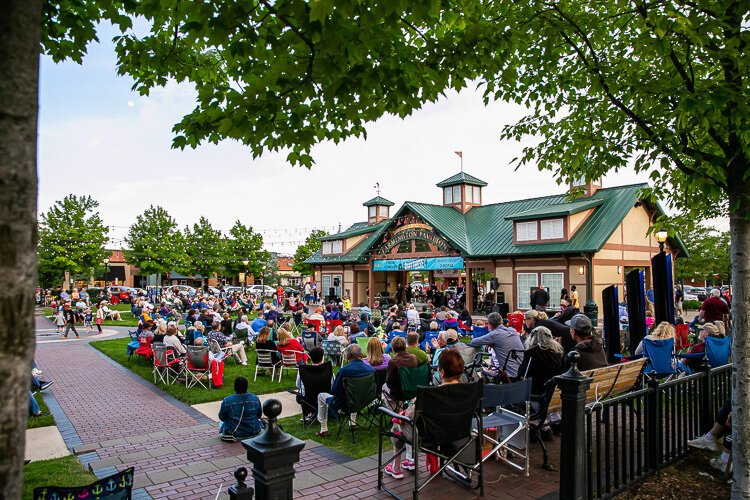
661	237
245	263
106	270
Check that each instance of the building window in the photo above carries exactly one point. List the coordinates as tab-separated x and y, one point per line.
553	282
421	246
372	211
477	194
404	247
447	196
526	283
526	231
332	247
469	195
456	194
579	181
383	211
552	229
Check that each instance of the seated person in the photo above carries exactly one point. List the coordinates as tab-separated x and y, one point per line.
240	414
110	313
355	333
691	365
257	324
588	346
566	312
338	334
376	357
502	340
245	328
161	331
237	349
316	369
317	316
465	317
543	359
663	331
337	399
264	343
412	347
365	326
34	410
722	428
392	389
148	330
412	316
288	343
450	370
171	340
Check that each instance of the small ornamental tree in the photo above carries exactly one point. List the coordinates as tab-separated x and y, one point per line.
205	248
155	245
71	238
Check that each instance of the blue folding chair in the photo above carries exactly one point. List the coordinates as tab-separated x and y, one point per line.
428	336
133	344
479	331
659	354
718	351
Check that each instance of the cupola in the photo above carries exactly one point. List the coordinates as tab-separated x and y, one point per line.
586	187
462	191
378	209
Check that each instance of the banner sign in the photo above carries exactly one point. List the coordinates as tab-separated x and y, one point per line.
414	232
426	264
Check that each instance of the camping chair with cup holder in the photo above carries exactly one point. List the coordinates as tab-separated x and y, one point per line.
315	379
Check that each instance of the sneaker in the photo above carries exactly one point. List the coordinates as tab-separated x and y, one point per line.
704	443
45	385
395	475
36	372
227	438
717	464
408	464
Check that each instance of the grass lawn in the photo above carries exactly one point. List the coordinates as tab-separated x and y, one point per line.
367	440
65	471
115	349
45	421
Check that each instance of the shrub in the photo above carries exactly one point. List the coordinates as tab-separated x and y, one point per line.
691	305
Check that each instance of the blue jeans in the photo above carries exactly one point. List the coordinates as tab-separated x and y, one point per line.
33	405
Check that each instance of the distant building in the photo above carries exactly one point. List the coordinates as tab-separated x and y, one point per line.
590	242
288	276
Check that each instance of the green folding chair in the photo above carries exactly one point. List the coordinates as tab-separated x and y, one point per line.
362	342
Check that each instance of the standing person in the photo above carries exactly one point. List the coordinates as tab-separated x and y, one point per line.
70	320
99	318
574	297
88	317
59	321
540	299
399	293
307	292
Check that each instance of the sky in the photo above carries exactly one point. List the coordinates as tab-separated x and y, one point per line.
99	138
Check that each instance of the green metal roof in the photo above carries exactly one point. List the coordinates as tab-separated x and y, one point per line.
557	210
354	230
487	231
378	201
461	178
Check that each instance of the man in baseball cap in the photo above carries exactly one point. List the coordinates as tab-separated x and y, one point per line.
587	345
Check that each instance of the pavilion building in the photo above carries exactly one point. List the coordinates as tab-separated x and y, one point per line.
590	241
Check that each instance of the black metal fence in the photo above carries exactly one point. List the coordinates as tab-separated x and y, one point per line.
631	436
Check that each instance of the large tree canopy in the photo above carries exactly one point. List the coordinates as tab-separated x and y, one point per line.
306	250
155	244
662	85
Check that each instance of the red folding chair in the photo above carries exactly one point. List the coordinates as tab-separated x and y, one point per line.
314	324
331	324
681	336
144	348
167	366
516	321
466	329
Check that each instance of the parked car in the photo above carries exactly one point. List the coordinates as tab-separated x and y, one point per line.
185	288
262	290
690	296
120	294
214	291
231	290
289	291
701	293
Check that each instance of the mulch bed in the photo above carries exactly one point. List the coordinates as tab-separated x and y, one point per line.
691	478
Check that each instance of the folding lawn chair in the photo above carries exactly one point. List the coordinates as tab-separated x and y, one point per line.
133	344
361	393
288	361
310	339
718	351
264	360
167	366
479	331
315	379
221	352
197	366
659	354
315	324
331	324
463	328
507	400
333	351
144	348
682	333
516	321
409	379
444	417
362	343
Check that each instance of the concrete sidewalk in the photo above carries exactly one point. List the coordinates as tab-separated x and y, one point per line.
44	443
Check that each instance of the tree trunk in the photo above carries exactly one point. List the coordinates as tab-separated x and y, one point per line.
20	25
739	224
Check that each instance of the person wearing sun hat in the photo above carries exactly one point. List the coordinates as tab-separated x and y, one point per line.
587	345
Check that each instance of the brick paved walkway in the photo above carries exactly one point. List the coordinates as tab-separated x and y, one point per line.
113	419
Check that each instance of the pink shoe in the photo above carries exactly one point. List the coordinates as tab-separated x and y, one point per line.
391	472
408	464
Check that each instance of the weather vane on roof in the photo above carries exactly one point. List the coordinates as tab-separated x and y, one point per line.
377	188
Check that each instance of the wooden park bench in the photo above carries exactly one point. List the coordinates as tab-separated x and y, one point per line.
608	382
